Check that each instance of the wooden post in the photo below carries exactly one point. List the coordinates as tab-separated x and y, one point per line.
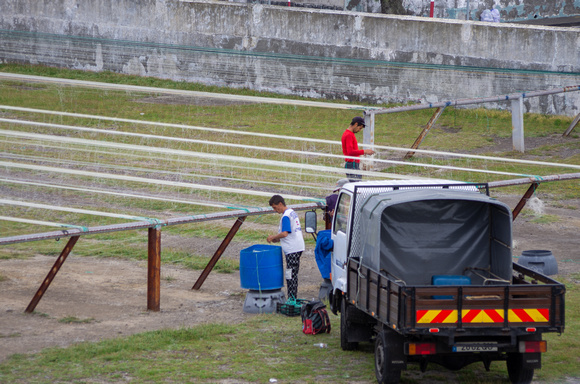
369	140
219	252
518	124
52	273
154	269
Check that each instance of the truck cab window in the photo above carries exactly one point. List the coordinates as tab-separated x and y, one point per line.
342	213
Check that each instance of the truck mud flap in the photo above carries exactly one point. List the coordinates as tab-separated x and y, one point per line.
359	332
360	325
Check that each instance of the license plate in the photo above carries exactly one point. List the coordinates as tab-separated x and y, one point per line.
474	348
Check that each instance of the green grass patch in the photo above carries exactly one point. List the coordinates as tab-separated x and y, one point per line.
545	219
75	320
263	347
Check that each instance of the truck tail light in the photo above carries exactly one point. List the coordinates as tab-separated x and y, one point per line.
533	346
422	348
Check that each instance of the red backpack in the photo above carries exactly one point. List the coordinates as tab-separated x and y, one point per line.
314	318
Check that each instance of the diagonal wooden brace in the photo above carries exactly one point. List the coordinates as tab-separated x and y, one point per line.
219	252
524	200
572	125
425	131
51	274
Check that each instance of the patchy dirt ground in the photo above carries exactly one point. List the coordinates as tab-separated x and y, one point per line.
111	294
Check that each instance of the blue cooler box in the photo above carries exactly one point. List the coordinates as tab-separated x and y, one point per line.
449	280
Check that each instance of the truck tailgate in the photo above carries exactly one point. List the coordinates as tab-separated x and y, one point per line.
415	309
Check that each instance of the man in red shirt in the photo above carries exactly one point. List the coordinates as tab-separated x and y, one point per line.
350	147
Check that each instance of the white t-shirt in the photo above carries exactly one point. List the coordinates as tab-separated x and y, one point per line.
290	223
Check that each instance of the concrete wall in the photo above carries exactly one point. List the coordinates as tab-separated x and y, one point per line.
300	51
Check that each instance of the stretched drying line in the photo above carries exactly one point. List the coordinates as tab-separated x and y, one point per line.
319	175
314	175
138	88
102	191
40	222
148	181
301	139
213	156
73	210
149	171
246	147
172	138
165	125
281	184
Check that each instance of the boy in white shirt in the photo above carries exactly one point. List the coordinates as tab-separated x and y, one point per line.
290	237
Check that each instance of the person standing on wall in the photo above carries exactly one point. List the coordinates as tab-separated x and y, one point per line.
350	147
292	242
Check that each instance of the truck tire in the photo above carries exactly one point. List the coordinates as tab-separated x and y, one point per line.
384	373
344	327
518	374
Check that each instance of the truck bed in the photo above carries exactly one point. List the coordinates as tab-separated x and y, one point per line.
531	300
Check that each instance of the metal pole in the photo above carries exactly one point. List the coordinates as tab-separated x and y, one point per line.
154	269
432	8
528	180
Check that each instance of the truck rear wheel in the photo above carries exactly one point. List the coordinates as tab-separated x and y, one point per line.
384	372
517	372
344	328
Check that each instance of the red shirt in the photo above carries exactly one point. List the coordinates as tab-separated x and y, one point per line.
350	146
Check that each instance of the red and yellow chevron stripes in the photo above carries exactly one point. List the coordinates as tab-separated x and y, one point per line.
444	316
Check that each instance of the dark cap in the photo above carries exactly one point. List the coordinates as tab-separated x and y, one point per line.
358	120
340	183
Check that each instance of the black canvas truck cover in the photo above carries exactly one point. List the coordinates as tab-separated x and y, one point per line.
415	234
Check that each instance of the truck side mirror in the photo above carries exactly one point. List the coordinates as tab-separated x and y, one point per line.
310	222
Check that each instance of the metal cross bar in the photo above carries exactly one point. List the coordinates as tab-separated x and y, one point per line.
490	99
151	223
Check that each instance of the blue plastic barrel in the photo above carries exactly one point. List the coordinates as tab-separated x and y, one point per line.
261	267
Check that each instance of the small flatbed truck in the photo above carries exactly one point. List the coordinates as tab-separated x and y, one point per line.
424	270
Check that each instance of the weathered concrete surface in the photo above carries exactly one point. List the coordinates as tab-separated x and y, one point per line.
289	50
